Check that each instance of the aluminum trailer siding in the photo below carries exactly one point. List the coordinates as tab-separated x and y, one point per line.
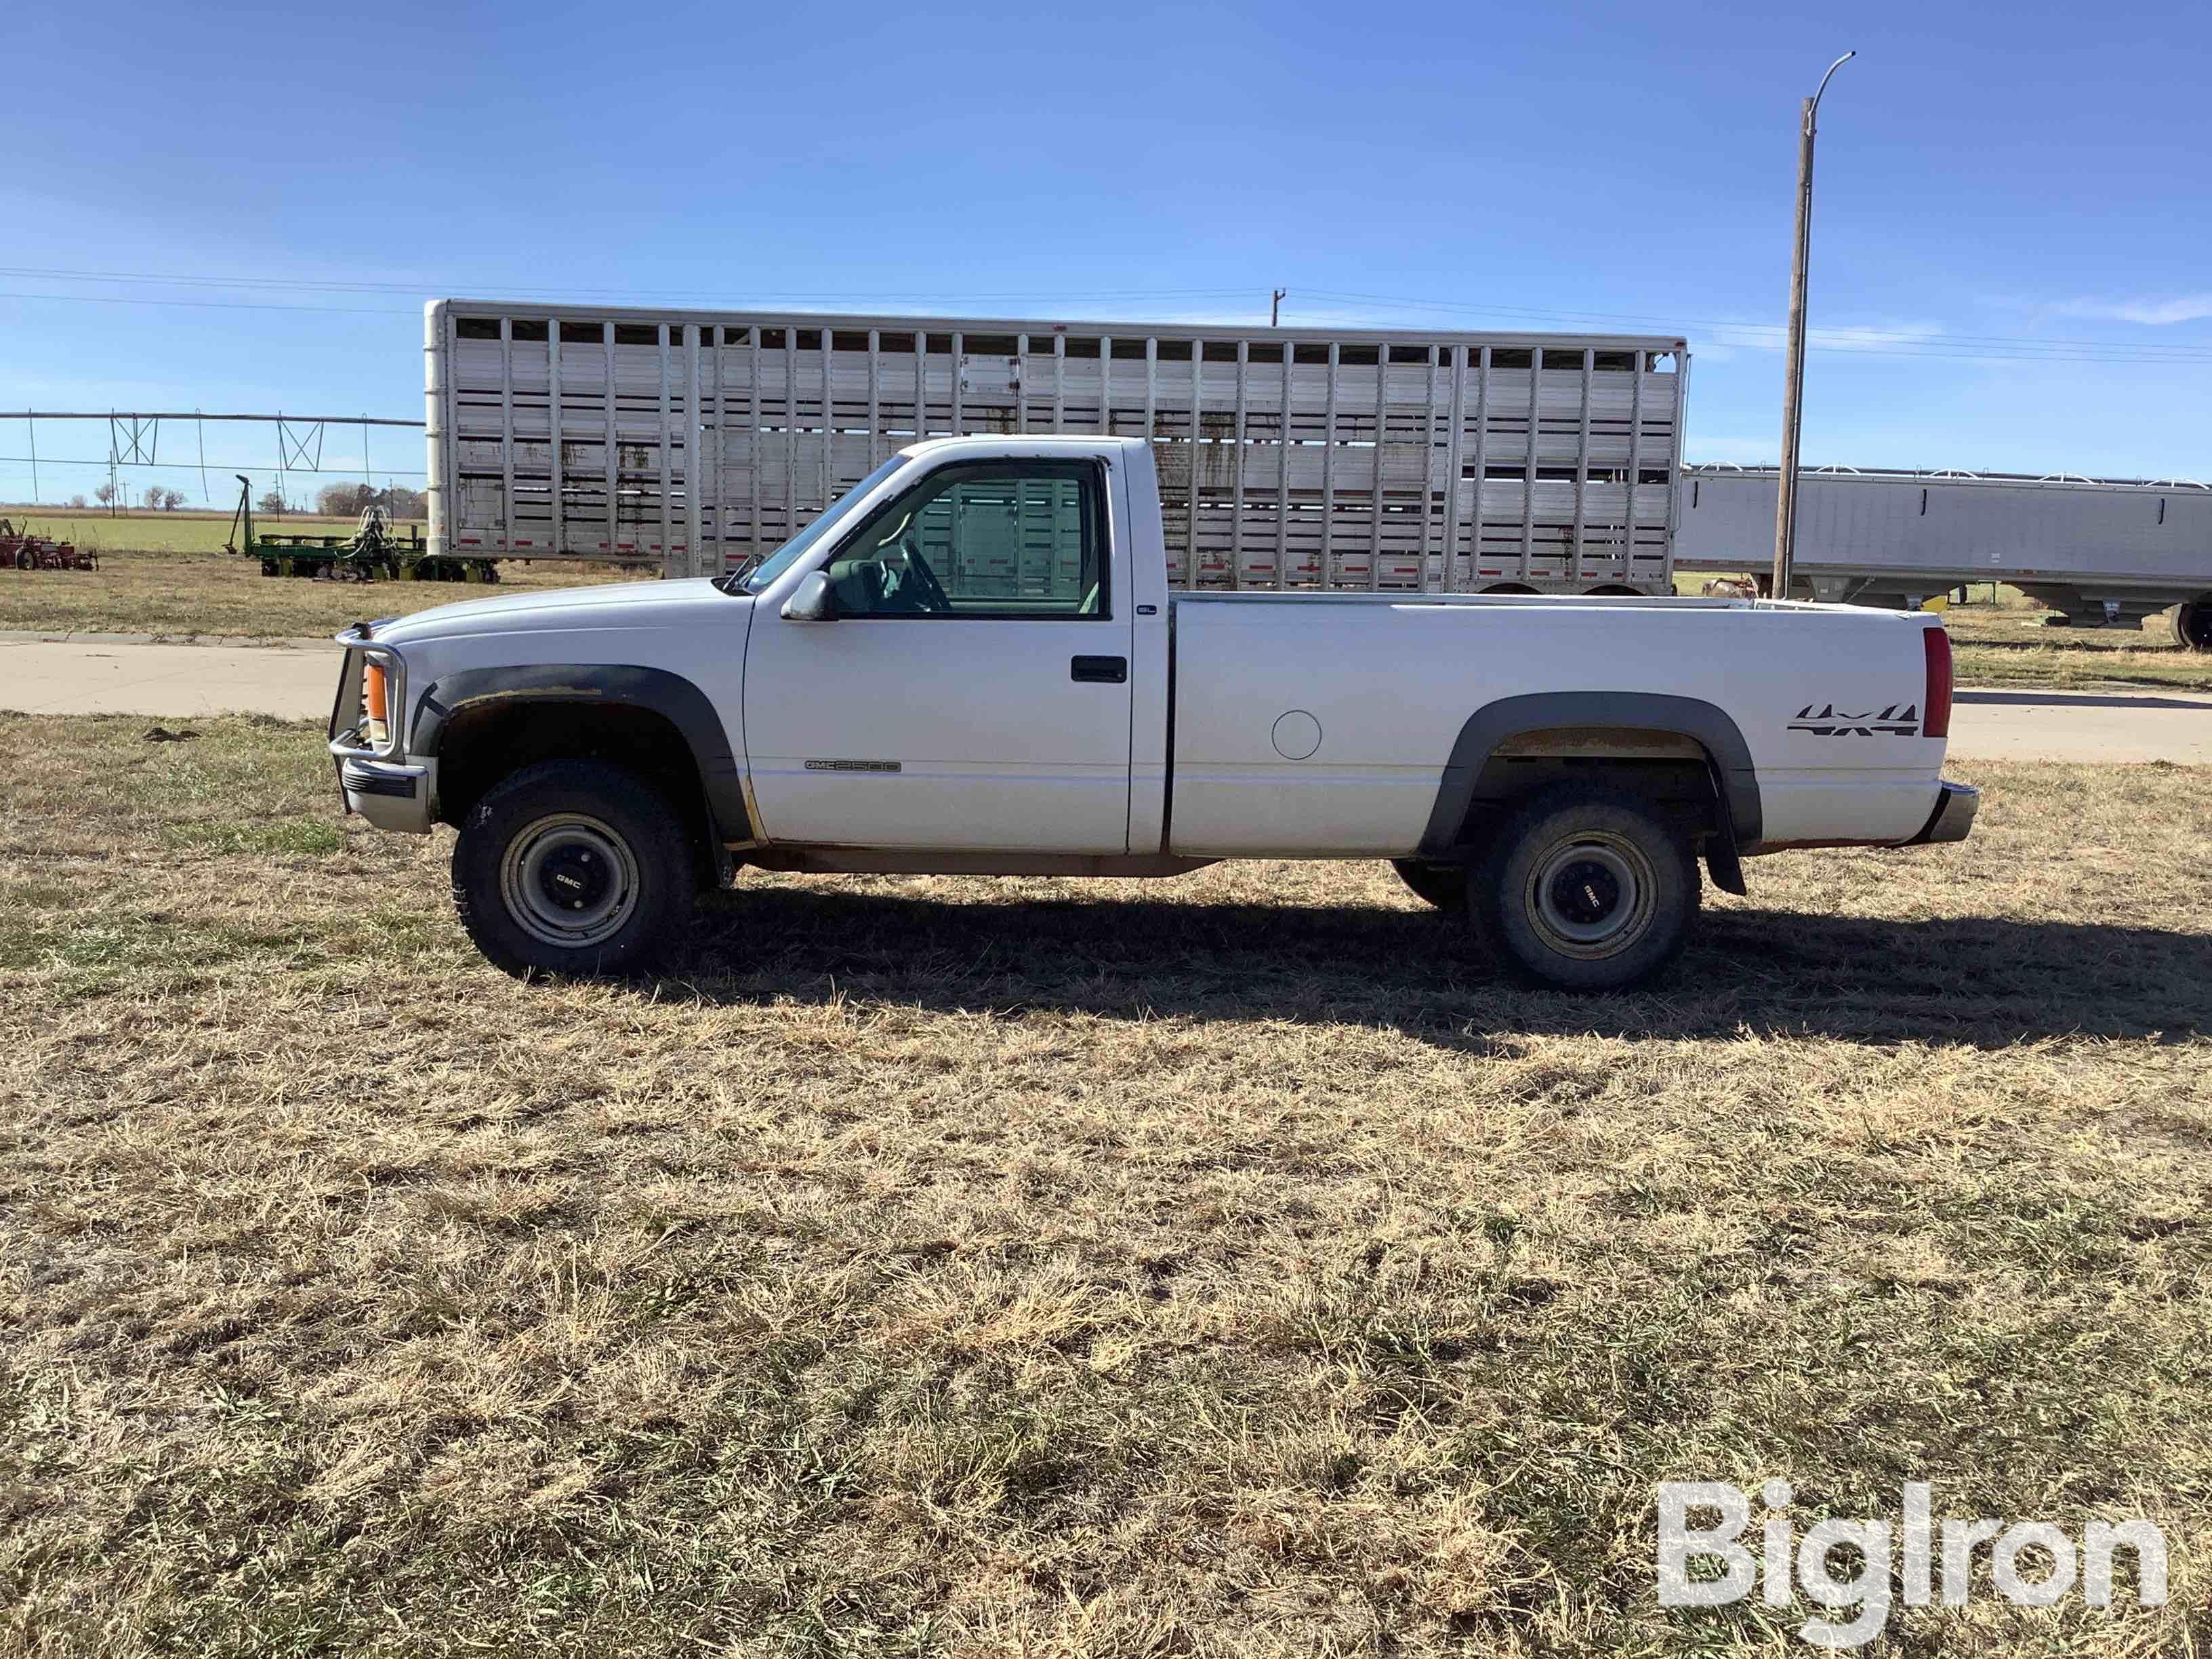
1288	457
2097	550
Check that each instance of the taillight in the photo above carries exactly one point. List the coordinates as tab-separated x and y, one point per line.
1936	705
373	691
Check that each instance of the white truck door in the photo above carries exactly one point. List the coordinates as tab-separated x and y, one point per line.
972	689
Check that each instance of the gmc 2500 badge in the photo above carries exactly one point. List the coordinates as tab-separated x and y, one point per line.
1897	720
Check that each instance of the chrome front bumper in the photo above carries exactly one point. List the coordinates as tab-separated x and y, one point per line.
1955	806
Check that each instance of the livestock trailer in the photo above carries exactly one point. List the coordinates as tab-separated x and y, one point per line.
1289	458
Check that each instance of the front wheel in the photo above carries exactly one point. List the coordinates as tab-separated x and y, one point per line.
1586	889
572	867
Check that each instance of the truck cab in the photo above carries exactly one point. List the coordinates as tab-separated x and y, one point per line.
980	665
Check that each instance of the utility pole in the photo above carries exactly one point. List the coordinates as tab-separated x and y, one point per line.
1275	308
1792	397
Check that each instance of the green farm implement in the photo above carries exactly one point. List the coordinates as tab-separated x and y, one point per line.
374	550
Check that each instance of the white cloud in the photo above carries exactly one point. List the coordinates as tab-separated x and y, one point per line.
1774	336
2152	314
1884	336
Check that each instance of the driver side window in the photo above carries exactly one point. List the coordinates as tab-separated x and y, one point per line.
1003	540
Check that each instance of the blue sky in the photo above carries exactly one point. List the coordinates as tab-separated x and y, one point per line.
2012	261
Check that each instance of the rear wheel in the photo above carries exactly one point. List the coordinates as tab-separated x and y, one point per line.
1586	889
2193	625
572	867
1444	886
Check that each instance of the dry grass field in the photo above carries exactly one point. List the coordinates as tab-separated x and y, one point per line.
2008	645
2005	642
212	595
1224	1265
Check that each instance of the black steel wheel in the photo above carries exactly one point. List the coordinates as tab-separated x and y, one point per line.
1586	888
572	868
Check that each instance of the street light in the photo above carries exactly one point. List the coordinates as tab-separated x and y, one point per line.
1793	407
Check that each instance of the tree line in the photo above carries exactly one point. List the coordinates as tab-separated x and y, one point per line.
347	501
331	500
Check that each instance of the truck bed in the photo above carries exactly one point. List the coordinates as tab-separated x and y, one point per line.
1389	683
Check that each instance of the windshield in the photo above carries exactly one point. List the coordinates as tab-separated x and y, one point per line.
785	556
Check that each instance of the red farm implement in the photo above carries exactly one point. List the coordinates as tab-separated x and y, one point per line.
22	551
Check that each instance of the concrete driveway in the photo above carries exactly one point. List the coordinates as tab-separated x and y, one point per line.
118	674
2083	725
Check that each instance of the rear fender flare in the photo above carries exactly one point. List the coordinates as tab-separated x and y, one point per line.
1734	777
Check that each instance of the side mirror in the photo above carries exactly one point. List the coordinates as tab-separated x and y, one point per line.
813	601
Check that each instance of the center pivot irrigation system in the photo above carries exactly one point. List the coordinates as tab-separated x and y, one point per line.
377	548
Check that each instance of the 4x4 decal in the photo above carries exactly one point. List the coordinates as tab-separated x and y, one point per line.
1894	722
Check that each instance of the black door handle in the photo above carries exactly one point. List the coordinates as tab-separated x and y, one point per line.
1100	670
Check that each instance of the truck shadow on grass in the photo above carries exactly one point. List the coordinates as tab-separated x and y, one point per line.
1985	981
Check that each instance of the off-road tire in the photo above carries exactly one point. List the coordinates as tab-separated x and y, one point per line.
1444	886
579	845
1585	888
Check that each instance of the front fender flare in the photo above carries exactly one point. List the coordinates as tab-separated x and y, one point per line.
685	707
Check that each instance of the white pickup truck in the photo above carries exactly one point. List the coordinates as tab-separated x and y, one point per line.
973	664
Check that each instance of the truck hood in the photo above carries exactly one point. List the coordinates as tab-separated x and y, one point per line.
613	605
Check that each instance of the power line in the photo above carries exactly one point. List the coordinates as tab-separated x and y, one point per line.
426	286
1878	343
1406	302
1714	322
218	305
442	286
325	285
200	415
228	466
354	286
1899	342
